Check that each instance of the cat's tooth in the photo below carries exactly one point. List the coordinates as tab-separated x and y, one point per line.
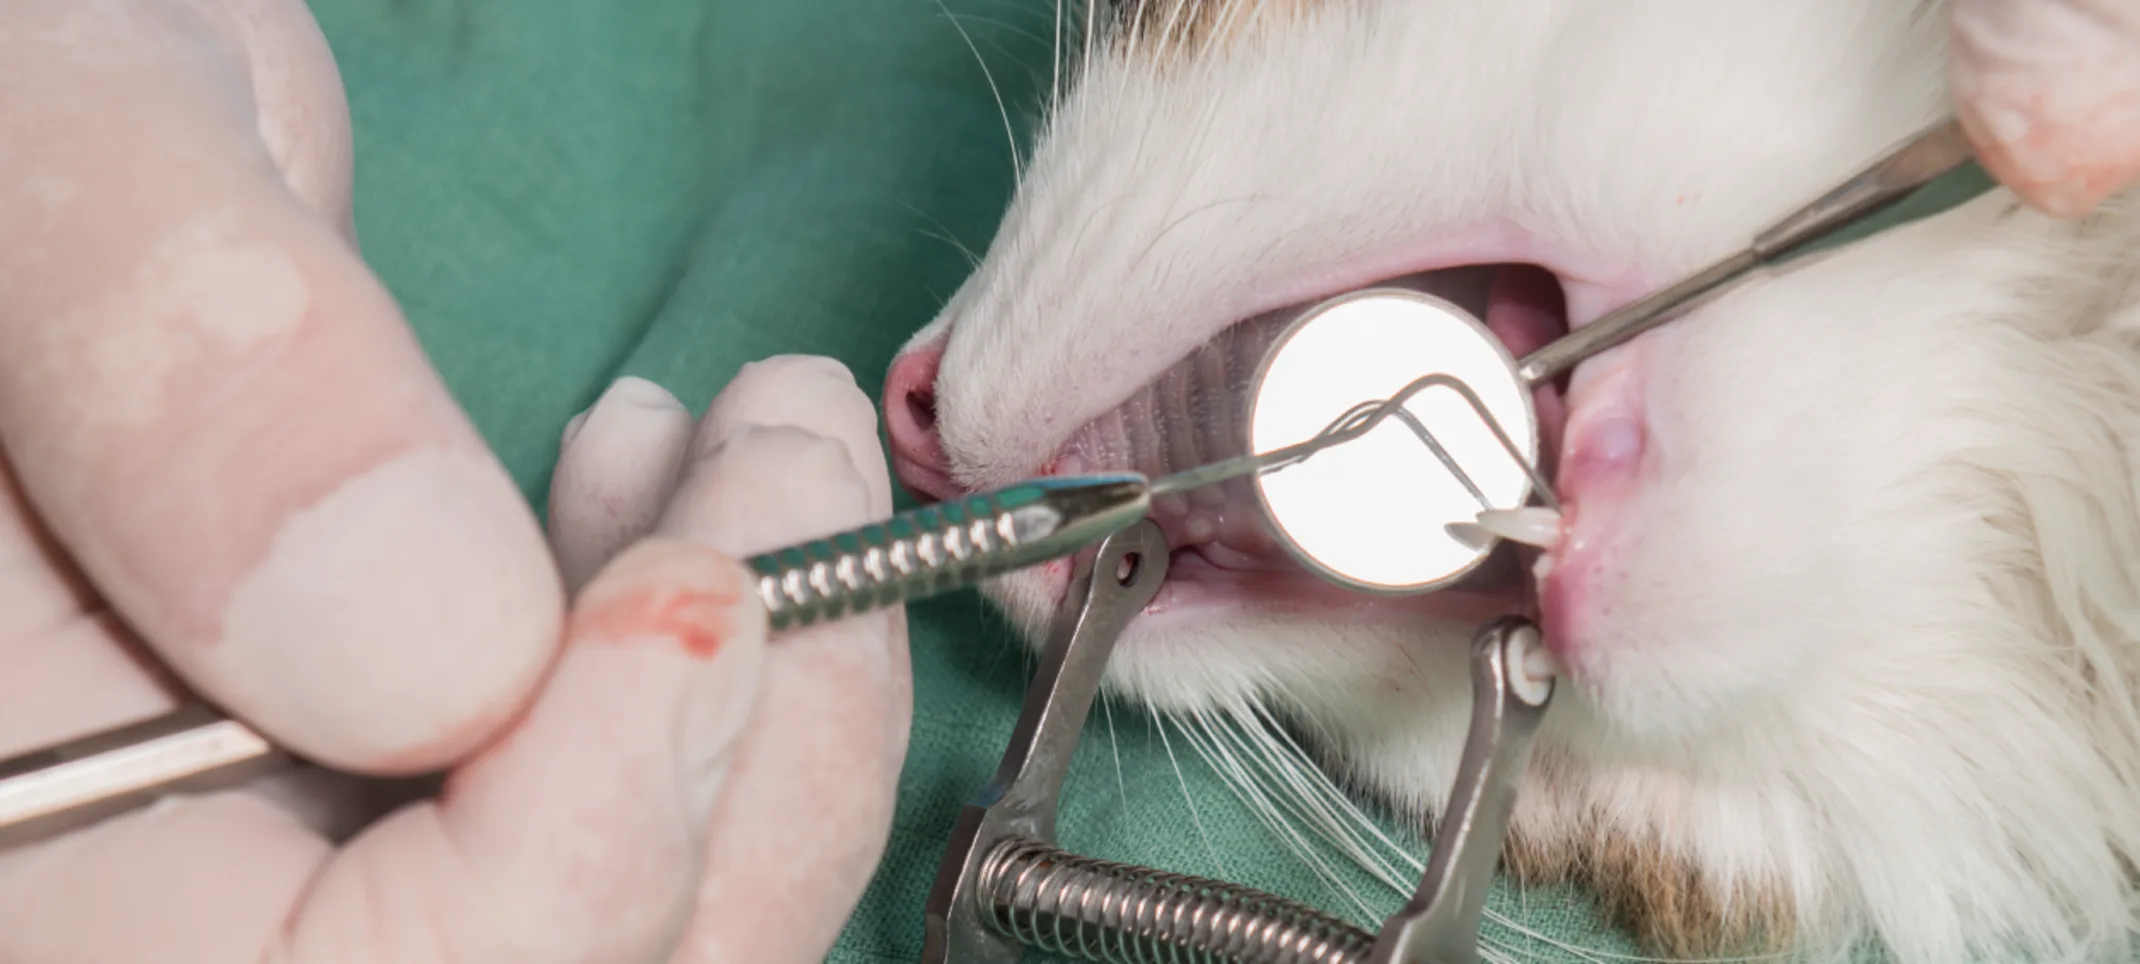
1470	534
1530	525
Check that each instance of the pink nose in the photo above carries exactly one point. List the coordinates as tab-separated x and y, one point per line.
910	419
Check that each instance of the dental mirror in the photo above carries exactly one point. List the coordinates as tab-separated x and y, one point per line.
1373	514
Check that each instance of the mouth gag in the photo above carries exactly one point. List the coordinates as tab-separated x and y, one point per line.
1376	510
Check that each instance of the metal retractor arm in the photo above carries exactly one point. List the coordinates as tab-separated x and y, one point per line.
1441	923
1108	587
1004	886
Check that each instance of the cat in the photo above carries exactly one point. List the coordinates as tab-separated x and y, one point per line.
1847	592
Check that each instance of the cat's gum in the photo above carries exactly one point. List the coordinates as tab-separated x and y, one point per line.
1604	452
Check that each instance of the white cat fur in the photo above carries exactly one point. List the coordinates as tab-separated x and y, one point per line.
1875	657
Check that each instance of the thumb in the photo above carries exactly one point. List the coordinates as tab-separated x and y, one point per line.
577	836
220	412
2049	91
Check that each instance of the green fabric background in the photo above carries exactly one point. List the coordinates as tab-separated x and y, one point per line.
564	191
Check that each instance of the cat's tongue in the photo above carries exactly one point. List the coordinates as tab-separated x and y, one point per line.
1525	309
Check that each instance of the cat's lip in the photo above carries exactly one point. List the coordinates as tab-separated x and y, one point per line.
1218	564
1590	288
1603	471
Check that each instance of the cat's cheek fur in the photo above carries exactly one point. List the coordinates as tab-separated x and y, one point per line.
1862	663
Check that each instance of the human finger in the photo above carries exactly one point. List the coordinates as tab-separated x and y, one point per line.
219	410
577	836
71	669
2049	92
790	453
615	472
811	392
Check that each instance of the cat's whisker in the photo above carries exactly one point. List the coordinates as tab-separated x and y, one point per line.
1310	781
1236	779
1055	61
1313	808
1296	840
1010	131
1004	24
1114	746
1256	719
972	260
1297	759
1189	798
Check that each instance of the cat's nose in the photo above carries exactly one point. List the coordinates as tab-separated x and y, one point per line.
910	419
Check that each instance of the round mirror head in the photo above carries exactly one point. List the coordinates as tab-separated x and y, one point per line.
1374	513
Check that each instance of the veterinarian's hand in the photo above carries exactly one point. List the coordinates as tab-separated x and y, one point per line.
223	447
2050	92
801	795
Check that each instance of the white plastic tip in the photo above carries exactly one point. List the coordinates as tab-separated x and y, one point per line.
1530	525
1534	668
1539	664
1469	534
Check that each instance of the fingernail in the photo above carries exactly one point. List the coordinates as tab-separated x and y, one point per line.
396	622
629	393
781	366
633	390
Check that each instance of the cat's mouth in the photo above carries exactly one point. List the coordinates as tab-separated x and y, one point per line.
1195	413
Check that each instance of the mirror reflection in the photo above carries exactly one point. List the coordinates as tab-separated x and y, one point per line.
1374	513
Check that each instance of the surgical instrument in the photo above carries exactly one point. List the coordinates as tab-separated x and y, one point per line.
914	555
1004	885
190	750
1931	172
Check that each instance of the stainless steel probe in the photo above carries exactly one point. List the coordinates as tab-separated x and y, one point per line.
1933	171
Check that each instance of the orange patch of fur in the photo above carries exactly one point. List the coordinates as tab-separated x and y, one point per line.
1670	907
1166	30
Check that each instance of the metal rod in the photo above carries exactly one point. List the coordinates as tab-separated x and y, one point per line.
1109	587
192	750
1933	171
